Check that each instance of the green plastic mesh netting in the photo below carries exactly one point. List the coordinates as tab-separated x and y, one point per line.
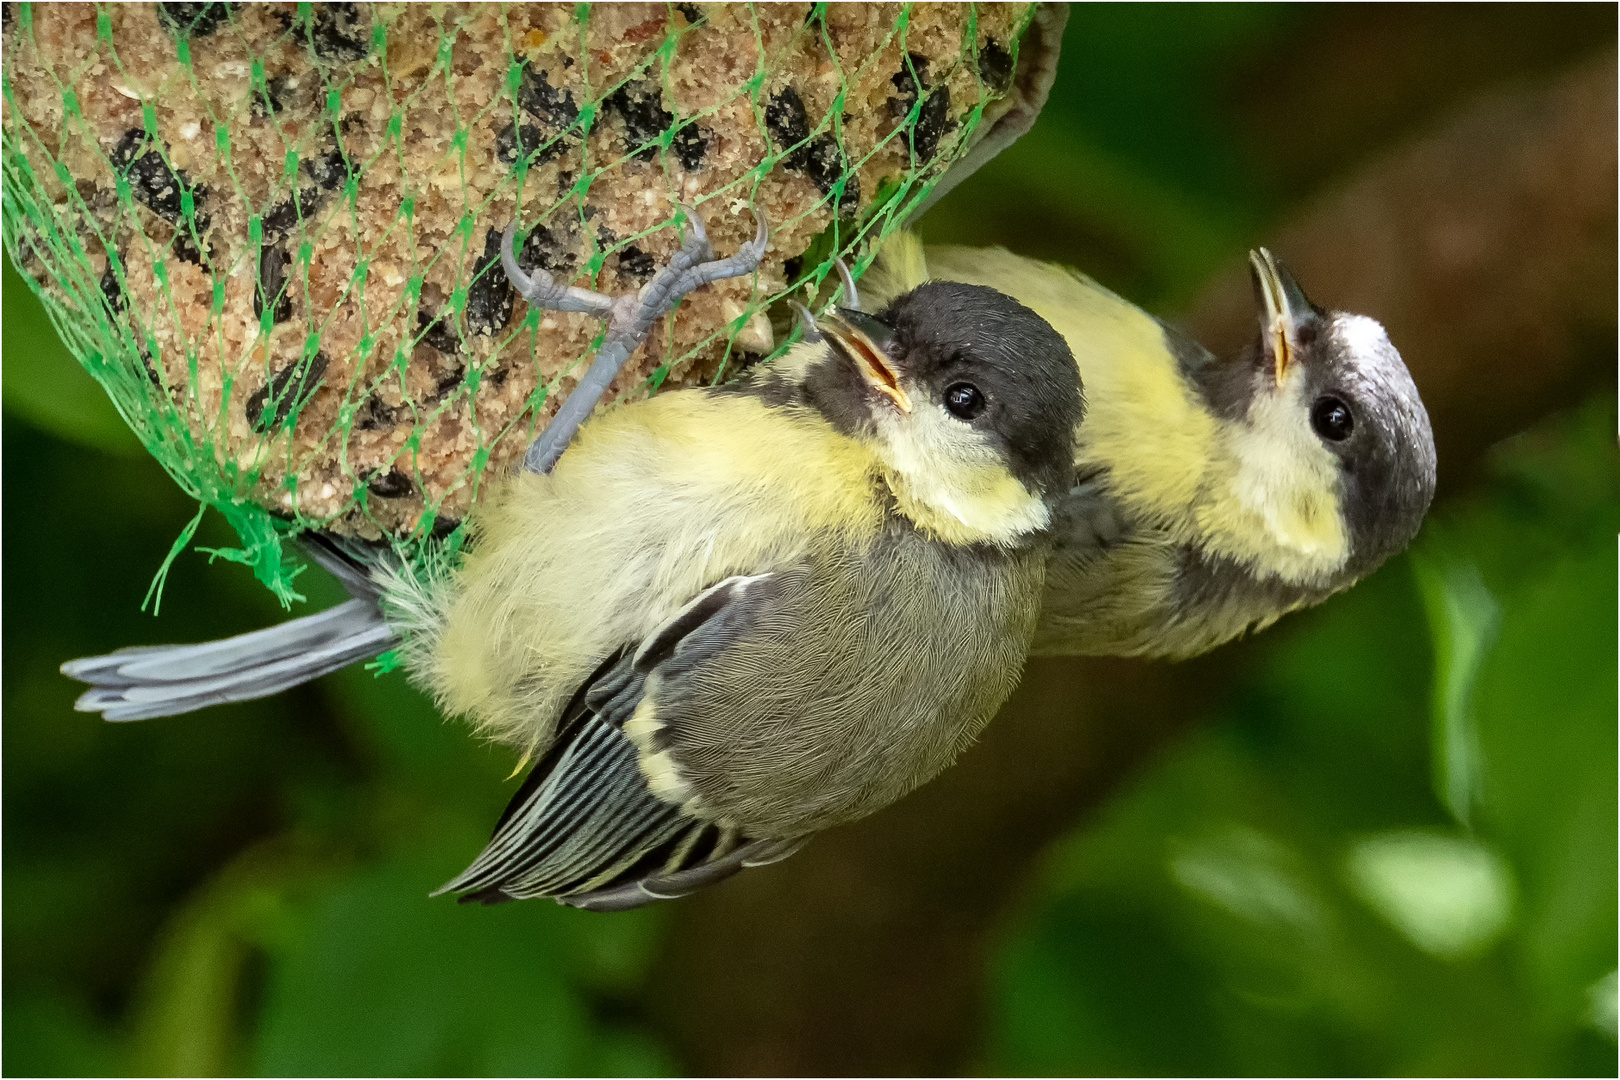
271	231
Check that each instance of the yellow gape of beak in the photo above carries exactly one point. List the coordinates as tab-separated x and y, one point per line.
1284	307
853	334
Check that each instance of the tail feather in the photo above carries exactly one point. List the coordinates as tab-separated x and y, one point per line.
147	681
353	562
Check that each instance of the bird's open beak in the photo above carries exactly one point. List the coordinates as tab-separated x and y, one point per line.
1284	310
864	340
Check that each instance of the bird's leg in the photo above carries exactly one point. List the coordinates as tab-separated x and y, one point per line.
630	319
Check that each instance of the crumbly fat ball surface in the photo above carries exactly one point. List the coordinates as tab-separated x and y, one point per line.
290	222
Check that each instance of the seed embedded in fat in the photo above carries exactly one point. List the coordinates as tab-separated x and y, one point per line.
755	335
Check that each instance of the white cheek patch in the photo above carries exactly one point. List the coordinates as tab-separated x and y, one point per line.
951	481
1281	510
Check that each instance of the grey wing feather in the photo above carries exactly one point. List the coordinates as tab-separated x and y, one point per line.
1086	521
681	882
585	828
591	813
590	821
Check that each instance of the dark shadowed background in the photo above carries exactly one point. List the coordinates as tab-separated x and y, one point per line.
1379	838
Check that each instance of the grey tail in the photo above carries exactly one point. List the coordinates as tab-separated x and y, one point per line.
146	681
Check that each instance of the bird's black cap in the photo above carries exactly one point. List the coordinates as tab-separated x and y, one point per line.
946	333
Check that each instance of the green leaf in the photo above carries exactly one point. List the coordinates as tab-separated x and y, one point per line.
1463	617
1451	896
188	1014
378	979
47	1035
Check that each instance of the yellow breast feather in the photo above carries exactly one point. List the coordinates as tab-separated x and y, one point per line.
653	503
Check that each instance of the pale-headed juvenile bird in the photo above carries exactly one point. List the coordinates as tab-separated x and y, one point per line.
729	618
1212	495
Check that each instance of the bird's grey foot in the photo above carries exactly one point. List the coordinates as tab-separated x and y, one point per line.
630	318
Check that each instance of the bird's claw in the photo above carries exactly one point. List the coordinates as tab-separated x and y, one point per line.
692	266
630	317
541	290
852	301
807	321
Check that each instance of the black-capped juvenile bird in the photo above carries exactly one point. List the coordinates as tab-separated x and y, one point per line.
732	618
1212	495
729	618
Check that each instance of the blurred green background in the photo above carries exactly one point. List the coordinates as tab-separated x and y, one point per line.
1390	848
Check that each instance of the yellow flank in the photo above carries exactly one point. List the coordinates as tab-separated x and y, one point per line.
570	567
901	265
1262	492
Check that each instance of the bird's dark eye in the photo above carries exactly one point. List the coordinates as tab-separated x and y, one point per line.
964	400
1331	419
